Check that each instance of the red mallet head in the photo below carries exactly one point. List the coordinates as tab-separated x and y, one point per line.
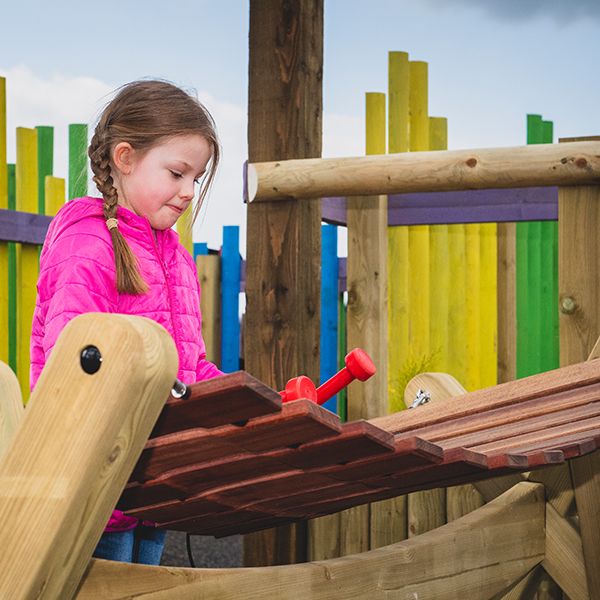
359	363
299	387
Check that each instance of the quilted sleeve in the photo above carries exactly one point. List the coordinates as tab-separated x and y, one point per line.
77	275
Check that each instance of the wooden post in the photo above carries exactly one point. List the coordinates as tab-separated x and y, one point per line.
77	444
11	406
284	239
579	321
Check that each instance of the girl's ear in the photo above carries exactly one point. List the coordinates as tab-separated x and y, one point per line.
123	157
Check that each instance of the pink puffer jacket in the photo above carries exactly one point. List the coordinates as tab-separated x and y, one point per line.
77	275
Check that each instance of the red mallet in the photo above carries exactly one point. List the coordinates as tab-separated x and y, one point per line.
299	387
358	366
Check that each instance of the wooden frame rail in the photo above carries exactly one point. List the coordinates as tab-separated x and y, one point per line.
573	163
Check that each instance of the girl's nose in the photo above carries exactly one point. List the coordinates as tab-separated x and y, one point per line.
187	190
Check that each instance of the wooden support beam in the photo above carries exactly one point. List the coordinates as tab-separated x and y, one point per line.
75	448
427	566
11	406
284	240
576	163
579	321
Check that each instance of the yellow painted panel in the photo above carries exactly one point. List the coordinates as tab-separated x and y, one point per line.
55	191
3	246
439	268
398	255
397	315
489	305
473	305
184	230
27	255
457	303
418	109
398	84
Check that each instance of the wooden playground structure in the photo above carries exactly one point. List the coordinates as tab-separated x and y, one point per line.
529	446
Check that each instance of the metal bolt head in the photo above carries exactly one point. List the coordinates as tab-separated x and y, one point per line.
568	305
90	359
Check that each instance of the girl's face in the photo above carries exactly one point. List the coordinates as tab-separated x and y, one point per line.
160	183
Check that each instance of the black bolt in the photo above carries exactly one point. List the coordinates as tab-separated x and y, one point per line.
91	359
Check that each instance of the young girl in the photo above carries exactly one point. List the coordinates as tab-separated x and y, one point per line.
153	145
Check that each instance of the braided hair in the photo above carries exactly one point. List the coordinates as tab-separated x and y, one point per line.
144	113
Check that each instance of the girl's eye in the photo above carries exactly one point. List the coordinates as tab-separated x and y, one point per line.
176	174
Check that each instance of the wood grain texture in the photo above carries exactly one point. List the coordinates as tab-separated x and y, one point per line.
209	276
71	456
230	398
569	164
11	406
427	566
283	254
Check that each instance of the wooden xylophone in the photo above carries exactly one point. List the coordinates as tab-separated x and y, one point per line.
232	459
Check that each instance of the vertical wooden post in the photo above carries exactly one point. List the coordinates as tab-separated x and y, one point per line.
3	245
579	322
284	238
367	311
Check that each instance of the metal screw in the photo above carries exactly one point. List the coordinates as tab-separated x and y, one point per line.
568	305
422	397
91	359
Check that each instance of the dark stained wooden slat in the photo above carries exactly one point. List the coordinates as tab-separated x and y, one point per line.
219	401
543	385
298	422
357	440
515	425
545	438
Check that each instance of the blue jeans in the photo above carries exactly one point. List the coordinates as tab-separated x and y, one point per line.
143	545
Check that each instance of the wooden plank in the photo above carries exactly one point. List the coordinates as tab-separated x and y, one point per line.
300	421
579	323
507	318
383	530
506	394
328	339
78	142
585	472
45	158
573	164
209	275
54	194
231	398
230	294
367	308
4	293
27	256
283	257
11	406
564	555
70	457
512	525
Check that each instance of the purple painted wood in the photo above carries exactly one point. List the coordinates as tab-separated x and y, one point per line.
26	228
471	206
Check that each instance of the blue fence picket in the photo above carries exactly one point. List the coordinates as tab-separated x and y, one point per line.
329	307
230	295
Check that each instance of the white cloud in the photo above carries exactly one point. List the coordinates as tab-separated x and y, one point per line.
59	101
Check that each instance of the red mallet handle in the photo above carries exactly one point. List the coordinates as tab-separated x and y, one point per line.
358	366
299	387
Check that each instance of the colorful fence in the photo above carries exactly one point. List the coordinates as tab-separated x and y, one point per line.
442	278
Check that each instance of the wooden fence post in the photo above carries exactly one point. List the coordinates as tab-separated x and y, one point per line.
579	321
284	238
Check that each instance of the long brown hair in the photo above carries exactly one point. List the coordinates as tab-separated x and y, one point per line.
145	113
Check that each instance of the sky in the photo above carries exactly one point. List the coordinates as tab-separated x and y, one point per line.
491	62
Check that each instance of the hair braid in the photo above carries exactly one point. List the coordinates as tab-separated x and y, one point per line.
129	279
